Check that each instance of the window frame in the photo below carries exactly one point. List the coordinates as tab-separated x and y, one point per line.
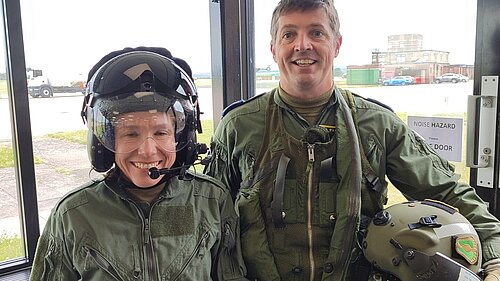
21	136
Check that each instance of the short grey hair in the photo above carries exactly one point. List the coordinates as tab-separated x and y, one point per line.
287	6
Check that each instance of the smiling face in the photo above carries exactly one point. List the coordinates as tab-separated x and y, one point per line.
304	49
144	140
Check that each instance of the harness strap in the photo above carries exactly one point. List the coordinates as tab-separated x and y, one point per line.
279	188
367	170
328	170
370	176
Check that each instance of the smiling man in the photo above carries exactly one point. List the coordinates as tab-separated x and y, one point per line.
307	164
304	46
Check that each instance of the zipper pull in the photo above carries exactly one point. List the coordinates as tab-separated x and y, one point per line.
146	229
310	152
203	244
87	259
137	263
230	237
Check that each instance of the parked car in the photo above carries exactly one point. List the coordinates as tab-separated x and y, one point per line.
463	78
399	80
451	77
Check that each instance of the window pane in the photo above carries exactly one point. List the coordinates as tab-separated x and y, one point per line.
428	48
11	245
63	40
267	74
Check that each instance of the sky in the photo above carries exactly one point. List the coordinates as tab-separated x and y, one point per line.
66	37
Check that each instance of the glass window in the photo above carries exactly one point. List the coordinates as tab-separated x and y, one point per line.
11	242
401	58
63	40
407	44
268	79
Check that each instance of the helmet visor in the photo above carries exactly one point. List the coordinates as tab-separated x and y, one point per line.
123	125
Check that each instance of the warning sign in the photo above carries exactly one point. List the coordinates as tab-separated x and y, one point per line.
442	134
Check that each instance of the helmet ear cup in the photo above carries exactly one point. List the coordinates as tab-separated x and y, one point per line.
101	158
188	154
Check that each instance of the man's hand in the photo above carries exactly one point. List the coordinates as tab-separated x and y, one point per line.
492	270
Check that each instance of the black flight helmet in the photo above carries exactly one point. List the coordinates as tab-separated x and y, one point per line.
139	81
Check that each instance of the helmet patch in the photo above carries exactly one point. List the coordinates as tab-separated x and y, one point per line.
467	247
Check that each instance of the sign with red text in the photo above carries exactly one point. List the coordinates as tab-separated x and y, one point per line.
444	135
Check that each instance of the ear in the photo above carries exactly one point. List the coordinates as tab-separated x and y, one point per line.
337	47
273	51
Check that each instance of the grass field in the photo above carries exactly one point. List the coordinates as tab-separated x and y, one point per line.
11	247
7	157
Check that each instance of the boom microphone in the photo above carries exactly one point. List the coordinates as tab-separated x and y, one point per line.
155	173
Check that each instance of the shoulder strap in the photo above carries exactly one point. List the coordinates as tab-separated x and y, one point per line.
368	173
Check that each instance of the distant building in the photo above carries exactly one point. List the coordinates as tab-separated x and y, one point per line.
405	56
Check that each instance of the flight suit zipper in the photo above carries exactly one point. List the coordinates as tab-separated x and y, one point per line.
310	153
148	248
201	243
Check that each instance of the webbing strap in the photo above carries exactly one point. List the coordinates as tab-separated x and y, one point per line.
328	170
370	176
279	188
368	173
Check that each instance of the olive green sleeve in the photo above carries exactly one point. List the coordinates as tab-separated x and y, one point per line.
235	146
52	261
230	265
420	173
219	167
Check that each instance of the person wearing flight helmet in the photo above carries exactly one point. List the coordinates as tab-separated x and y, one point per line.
150	217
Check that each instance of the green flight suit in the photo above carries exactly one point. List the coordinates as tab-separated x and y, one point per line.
247	147
97	232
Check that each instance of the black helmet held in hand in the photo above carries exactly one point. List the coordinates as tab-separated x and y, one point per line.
139	81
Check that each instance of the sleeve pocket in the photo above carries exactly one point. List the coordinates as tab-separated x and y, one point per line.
51	261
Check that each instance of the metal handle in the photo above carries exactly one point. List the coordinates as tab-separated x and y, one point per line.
481	128
483	160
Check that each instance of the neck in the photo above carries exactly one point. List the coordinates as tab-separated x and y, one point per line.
307	92
309	109
116	177
149	194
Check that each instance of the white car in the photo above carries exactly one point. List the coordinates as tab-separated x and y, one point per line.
463	78
451	77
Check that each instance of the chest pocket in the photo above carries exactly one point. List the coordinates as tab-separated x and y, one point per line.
99	264
289	193
51	262
328	183
193	261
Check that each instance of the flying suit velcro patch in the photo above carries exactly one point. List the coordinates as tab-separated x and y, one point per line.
172	220
467	247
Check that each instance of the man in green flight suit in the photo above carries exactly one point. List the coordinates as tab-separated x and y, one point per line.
307	161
